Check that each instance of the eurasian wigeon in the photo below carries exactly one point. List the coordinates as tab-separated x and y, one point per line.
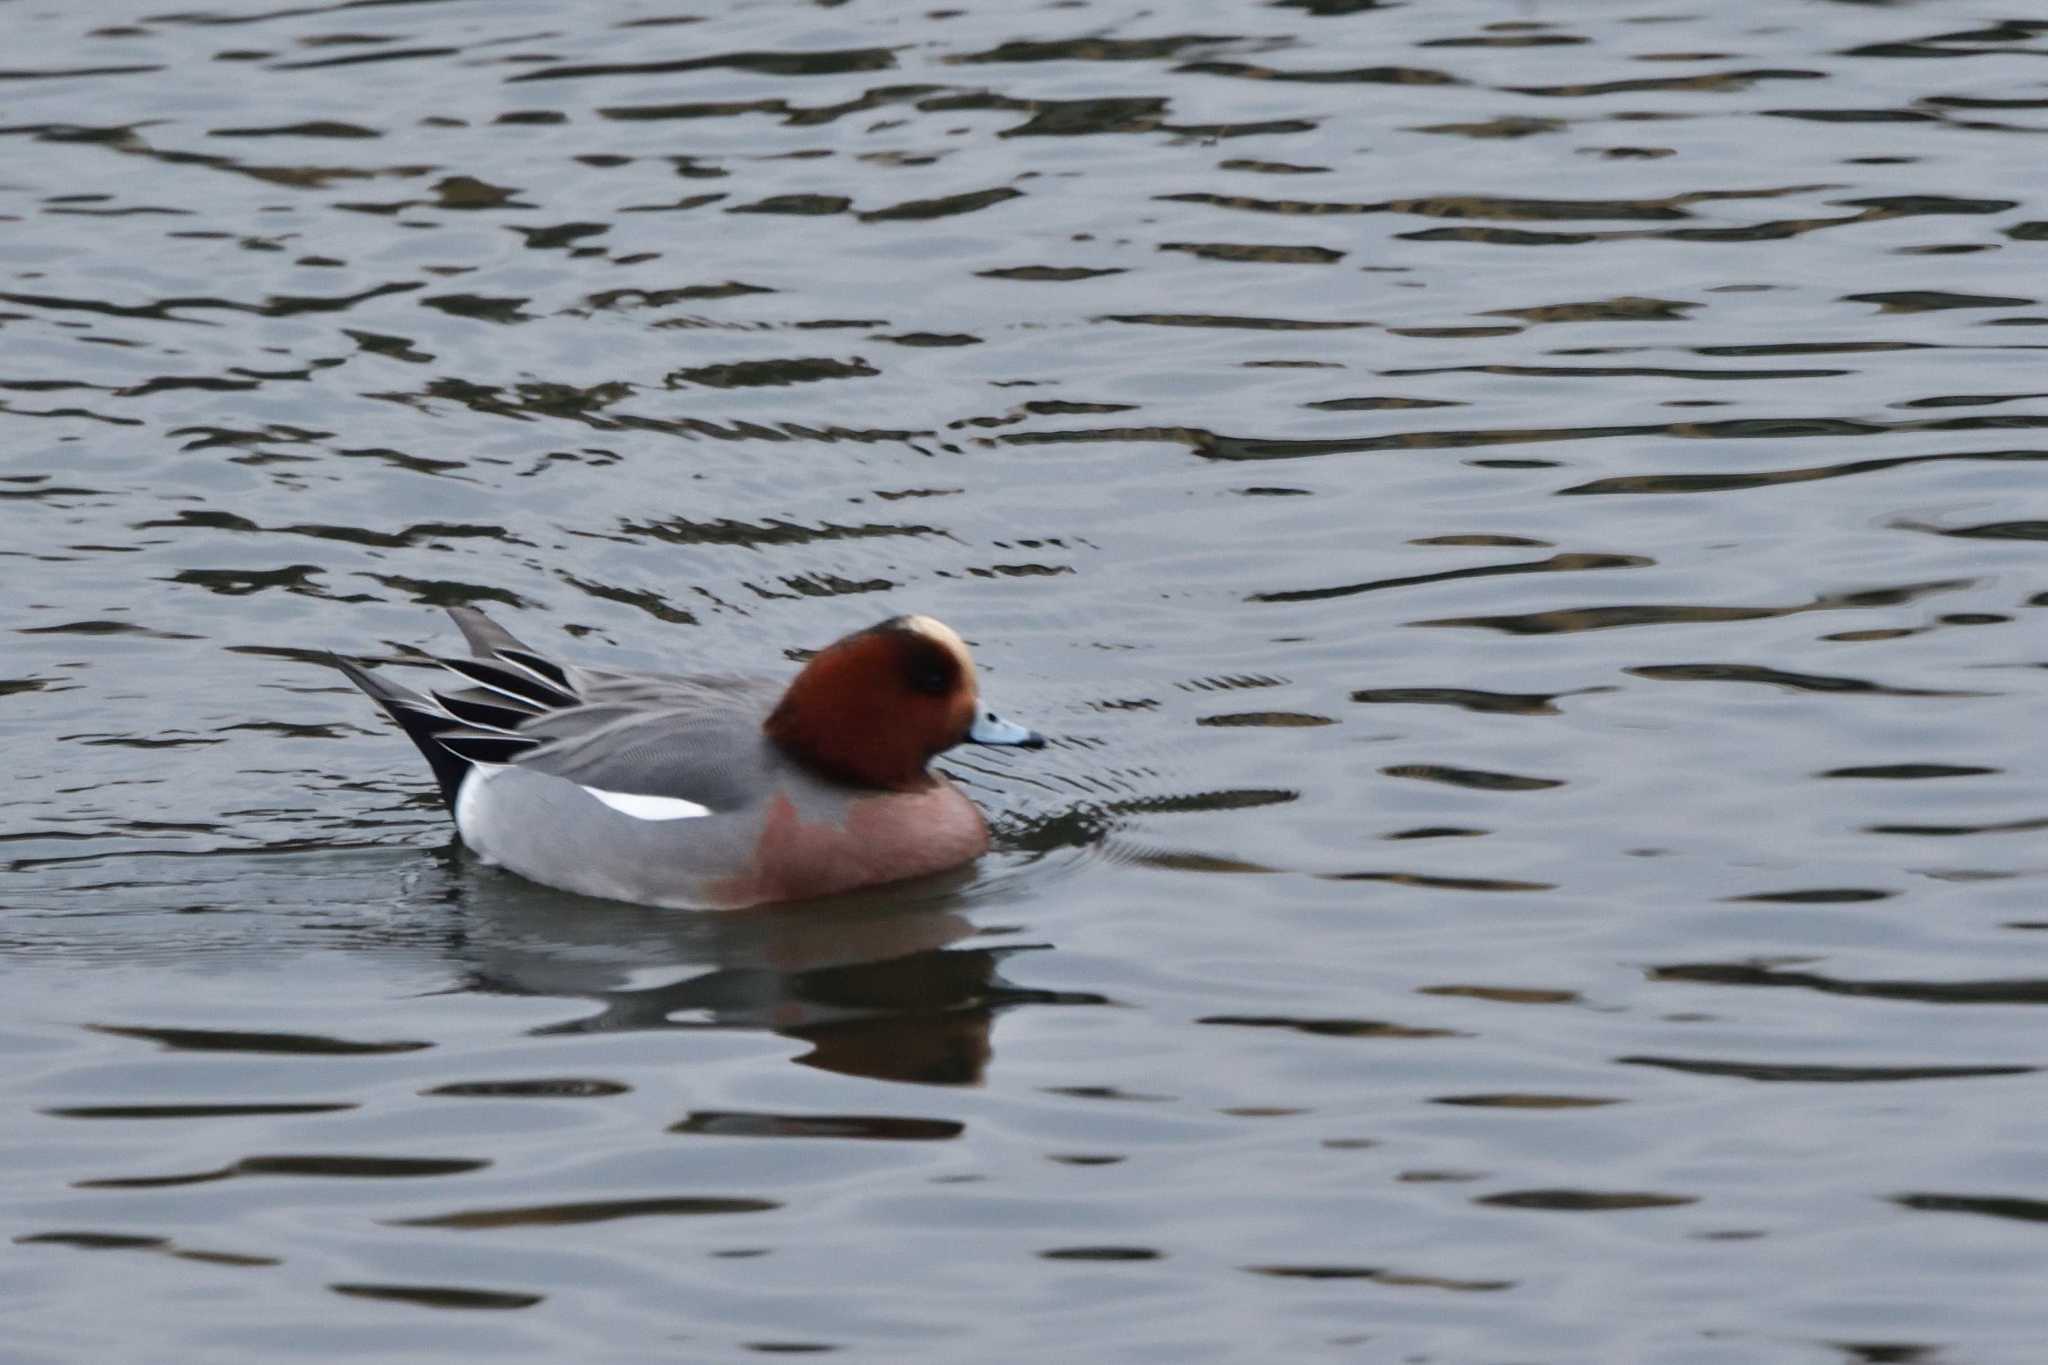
706	792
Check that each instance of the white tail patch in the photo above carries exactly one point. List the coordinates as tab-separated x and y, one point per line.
649	807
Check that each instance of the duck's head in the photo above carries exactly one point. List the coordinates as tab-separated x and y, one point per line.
875	707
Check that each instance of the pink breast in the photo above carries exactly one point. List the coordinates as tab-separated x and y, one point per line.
883	838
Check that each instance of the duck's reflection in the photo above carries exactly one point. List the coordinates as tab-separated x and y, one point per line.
890	986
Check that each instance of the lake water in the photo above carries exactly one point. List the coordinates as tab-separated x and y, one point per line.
1523	522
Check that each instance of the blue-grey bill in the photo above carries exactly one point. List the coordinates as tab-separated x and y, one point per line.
990	728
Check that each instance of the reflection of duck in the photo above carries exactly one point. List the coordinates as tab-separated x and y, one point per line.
876	987
707	792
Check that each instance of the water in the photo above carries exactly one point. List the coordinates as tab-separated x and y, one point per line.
1523	522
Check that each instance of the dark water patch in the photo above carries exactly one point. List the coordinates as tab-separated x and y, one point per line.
1778	677
1558	563
791	1347
1506	126
931	339
1585	1201
946	206
439	1296
771	373
546	1088
403	54
94	1241
480	308
1467	699
1525	1100
1990	530
1184	860
626	300
190	1111
1283	720
317	128
1265	254
1269	167
1440	883
1217	446
1378	404
1473	779
1985	1205
1101	1253
1378	1275
167	310
1452	206
1071	118
880	1127
1910	772
596	1211
1823	1075
639	113
1926	205
70	73
1362	75
171	741
1330	1028
1715	83
292	578
1090	49
768	534
1243	798
424	533
1227	322
444	592
1614	372
1507	995
1934	300
1952	831
1623	309
785	64
797	205
2014	991
103	628
118	1241
1815	895
1107	1092
317	1167
1047	274
1573	619
241	1041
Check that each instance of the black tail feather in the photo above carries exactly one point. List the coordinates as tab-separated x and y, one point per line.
421	722
520	685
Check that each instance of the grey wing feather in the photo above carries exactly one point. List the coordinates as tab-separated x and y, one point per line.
485	636
695	739
645	734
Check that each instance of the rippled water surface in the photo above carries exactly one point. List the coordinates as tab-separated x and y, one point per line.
1524	523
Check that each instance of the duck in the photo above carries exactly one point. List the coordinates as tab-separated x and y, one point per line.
705	791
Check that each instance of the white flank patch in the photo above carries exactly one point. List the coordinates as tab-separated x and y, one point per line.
649	807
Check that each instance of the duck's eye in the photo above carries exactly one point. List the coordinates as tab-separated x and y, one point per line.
930	680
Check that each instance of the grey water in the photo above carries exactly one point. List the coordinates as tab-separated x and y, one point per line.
1524	524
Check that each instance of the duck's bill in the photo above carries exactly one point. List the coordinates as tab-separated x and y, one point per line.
990	728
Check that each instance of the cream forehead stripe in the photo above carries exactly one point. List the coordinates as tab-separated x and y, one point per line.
939	633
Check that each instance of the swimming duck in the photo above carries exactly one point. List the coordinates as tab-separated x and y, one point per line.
706	792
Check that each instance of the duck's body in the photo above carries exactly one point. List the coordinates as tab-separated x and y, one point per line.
706	792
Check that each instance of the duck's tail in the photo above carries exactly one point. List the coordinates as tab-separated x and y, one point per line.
457	730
